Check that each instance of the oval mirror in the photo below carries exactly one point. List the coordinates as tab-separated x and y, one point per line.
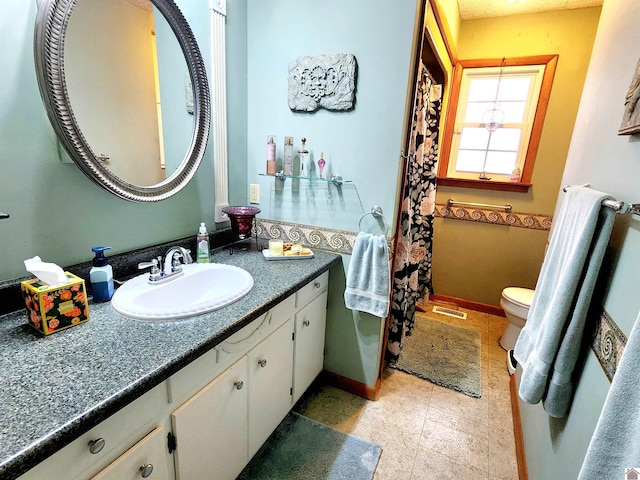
166	100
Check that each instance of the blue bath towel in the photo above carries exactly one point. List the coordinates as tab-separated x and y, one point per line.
615	445
368	276
548	346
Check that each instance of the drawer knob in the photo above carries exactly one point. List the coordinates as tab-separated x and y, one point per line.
239	384
146	470
306	323
317	284
263	362
96	445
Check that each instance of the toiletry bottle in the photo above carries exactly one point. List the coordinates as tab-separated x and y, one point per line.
321	164
303	153
101	276
271	155
287	163
202	241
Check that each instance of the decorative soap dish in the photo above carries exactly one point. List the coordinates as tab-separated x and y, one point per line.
267	255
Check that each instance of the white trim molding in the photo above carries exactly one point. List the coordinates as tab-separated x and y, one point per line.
218	12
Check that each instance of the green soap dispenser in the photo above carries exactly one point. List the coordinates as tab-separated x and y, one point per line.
101	276
202	243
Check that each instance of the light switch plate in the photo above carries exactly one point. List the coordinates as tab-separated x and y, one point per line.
254	193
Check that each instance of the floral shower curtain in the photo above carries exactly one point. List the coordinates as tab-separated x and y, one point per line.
412	268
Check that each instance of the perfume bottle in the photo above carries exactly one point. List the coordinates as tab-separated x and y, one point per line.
303	153
271	155
287	164
321	164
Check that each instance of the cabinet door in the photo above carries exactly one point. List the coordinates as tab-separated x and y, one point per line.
270	376
211	428
308	358
146	459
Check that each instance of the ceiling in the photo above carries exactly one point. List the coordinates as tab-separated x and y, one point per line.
471	9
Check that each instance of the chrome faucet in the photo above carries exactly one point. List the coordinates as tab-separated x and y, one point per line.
163	270
172	258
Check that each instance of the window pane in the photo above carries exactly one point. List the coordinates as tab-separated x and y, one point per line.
513	111
475	111
470	161
482	89
505	139
501	162
514	88
474	138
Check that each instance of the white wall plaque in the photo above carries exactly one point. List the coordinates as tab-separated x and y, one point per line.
325	81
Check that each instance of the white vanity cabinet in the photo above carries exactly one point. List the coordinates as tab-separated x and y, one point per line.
221	427
277	357
219	409
310	326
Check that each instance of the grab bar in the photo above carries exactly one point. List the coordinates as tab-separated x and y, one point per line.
617	206
507	208
3	215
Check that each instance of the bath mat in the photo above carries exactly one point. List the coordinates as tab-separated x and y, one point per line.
444	354
301	448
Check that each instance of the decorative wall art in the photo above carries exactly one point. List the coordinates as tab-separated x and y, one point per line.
631	117
325	81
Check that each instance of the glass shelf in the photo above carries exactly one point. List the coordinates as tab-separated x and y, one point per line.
335	179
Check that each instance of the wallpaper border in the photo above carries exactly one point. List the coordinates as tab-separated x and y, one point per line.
531	221
333	240
608	343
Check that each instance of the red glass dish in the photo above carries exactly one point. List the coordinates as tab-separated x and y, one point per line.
241	219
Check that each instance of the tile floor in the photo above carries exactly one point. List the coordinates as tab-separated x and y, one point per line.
427	431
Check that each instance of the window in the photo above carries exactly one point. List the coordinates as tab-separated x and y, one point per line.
494	124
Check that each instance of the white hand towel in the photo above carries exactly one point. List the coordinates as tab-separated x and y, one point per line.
368	276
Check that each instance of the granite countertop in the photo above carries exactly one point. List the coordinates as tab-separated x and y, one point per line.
56	388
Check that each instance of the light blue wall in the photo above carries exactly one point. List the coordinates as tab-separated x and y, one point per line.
362	145
56	212
609	162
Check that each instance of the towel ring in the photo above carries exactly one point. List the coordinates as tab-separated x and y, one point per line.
375	212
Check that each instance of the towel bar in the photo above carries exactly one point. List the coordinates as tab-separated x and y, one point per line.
3	215
375	212
616	205
507	208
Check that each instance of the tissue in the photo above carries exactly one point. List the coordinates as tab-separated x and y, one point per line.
48	273
55	300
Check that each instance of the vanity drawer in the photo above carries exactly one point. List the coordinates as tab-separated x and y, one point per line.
147	458
190	379
241	342
311	290
195	376
108	440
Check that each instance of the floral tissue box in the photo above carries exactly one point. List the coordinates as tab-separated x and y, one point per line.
51	309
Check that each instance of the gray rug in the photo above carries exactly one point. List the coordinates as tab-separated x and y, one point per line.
444	354
301	448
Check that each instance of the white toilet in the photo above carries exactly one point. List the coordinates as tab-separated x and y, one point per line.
515	302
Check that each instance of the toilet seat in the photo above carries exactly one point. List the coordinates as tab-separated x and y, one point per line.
521	297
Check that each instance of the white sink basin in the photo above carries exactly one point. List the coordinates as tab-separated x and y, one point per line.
201	288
